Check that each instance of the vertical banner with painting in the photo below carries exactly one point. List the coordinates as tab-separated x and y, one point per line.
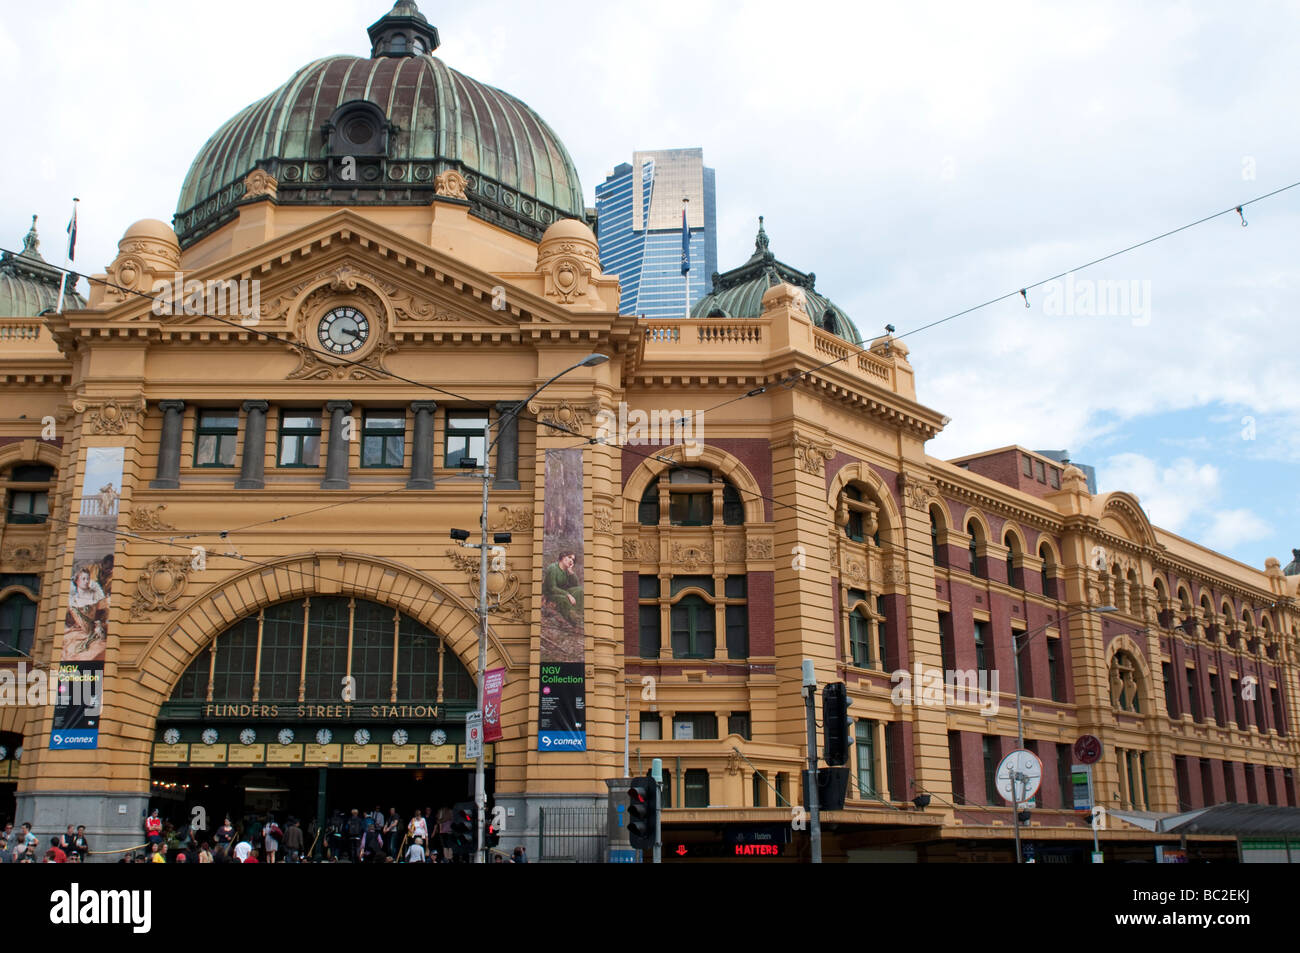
561	714
85	626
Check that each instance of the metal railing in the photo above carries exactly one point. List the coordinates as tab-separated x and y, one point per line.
572	835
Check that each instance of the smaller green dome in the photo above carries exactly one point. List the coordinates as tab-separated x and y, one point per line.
29	286
739	293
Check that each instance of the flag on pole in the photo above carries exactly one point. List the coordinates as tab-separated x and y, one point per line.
72	233
686	245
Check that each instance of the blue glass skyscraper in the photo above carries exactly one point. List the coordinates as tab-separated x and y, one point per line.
639	229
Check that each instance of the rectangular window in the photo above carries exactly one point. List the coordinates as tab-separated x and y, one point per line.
697	788
1216	703
738	724
651	726
690	509
1064	781
299	440
865	745
945	640
1193	696
1054	669
1279	719
466	438
18	625
859	638
1041	471
955	768
991	759
1054	478
981	643
895	769
1183	782
693	622
1171	697
1239	704
215	434
666	797
1252	791
649	617
782	789
882	634
281	653
1142	768
1230	782
1207	783
691	582
1028	465
383	439
759	790
737	617
695	726
28	506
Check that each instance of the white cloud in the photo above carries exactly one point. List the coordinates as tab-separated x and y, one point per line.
1230	528
1171	495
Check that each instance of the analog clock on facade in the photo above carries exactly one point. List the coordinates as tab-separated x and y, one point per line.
343	331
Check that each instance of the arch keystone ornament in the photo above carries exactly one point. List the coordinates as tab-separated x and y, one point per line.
162	582
112	415
450	184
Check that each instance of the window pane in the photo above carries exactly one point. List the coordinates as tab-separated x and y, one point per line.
649	631
738	724
687	582
648	587
736	587
737	631
690	476
696	793
651	727
281	653
218	420
733	507
311	451
300	422
372	449
394	420
647	513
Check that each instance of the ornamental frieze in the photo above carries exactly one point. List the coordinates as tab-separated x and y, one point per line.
918	494
812	455
144	520
23	555
692	558
503	586
513	520
564	417
630	549
758	548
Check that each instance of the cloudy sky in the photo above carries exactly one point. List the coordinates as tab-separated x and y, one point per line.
920	158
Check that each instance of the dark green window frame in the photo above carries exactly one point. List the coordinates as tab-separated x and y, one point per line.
991	759
649	618
704	724
383	439
865	746
881	623
738	723
860	638
298	446
855	530
28	506
694	626
1054	669
466	438
17	625
696	793
216	436
981	646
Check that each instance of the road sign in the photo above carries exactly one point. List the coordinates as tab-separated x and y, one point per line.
473	734
1087	749
1025	770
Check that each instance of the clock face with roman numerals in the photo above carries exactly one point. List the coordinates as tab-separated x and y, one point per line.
343	331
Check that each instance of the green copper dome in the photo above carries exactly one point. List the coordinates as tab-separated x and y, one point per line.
739	293
379	131
29	285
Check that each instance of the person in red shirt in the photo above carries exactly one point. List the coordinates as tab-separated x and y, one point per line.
153	827
55	854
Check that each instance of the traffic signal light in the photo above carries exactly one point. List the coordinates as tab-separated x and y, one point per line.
837	725
463	827
642	811
491	836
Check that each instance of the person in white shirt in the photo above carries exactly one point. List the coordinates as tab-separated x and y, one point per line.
415	853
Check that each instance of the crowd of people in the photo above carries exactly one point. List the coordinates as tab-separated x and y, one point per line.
356	837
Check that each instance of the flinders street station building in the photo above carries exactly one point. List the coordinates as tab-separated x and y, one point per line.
231	472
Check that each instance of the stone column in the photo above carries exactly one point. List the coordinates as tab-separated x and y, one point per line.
422	446
507	477
169	448
252	467
336	462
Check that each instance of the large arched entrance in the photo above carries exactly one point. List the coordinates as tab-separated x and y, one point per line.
309	708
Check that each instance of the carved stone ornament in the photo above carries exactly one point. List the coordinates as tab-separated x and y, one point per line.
604	521
893	574
812	456
24	555
649	551
160	585
566	268
691	558
503	587
513	520
110	416
630	549
564	417
258	183
735	551
758	548
450	184
149	521
917	494
856	572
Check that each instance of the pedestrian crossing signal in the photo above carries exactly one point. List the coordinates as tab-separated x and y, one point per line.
642	812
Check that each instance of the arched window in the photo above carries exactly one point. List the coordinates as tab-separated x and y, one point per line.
1013	550
1048	571
398	43
690	499
976	539
1125	685
17	625
936	552
696	612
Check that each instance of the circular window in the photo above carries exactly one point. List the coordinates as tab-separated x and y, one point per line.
358	130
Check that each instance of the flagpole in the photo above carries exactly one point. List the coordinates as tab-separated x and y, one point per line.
686	239
68	254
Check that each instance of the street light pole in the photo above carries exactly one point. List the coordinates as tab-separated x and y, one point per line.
480	783
1018	642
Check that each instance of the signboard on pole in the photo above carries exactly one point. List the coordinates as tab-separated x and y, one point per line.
492	682
473	734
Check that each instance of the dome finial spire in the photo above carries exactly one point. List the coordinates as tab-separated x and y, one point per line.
761	243
32	242
403	31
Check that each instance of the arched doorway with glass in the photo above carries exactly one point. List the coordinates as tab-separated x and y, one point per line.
311	708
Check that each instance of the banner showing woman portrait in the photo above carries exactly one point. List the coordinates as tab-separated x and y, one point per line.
90	591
